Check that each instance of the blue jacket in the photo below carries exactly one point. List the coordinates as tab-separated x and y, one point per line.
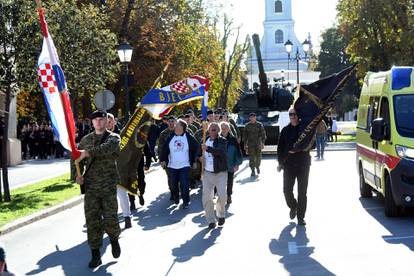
234	155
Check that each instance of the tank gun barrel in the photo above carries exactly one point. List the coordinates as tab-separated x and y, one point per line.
262	74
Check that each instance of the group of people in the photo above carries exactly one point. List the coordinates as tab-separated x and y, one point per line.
39	142
188	155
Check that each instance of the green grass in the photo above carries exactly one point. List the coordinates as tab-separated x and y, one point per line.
346	138
32	198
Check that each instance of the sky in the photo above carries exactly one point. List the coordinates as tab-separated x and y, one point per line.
311	16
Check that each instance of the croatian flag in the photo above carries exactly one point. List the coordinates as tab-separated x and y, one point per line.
52	82
159	102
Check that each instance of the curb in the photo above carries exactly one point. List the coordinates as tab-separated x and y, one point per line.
19	223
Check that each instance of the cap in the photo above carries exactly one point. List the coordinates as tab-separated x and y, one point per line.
98	114
187	115
252	114
171	117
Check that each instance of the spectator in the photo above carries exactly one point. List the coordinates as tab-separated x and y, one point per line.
321	131
3	264
334	129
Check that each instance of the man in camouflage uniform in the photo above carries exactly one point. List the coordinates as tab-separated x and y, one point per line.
254	137
161	141
99	151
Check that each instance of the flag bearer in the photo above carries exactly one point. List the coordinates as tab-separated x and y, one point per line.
99	151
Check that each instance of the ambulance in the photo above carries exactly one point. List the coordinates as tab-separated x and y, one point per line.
385	138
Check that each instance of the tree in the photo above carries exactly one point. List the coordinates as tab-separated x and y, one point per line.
379	32
333	58
85	45
10	12
230	69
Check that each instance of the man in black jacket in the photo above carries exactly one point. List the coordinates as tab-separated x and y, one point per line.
215	175
295	166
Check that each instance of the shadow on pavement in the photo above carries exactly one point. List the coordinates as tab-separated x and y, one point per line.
74	261
295	253
401	228
197	246
161	212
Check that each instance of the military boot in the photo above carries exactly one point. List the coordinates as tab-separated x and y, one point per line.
116	249
128	222
96	258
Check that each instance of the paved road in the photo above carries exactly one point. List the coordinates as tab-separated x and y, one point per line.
344	236
36	170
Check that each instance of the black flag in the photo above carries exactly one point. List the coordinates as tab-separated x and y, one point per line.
314	102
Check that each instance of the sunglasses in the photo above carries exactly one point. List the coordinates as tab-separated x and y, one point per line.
292	114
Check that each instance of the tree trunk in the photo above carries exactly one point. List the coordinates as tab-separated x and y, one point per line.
4	156
123	34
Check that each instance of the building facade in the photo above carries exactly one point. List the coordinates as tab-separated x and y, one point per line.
278	28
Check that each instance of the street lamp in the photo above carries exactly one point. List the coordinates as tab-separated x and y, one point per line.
297	58
125	54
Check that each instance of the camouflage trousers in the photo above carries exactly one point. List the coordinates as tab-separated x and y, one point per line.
101	213
255	156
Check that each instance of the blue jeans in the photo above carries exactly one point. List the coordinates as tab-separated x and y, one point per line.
180	176
320	144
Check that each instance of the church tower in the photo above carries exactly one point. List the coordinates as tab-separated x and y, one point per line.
278	28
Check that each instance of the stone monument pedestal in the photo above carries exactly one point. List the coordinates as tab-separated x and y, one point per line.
14	150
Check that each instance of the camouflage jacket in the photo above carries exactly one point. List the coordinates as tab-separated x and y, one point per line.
101	165
162	138
254	134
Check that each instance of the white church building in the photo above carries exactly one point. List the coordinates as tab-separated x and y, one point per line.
279	28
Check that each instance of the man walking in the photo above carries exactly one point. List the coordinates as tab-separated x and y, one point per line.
215	175
100	150
254	137
295	166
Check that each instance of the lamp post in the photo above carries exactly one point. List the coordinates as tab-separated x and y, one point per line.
297	58
125	54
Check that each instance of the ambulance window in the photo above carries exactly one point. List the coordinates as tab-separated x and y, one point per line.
385	114
372	111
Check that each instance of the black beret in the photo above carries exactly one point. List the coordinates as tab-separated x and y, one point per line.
210	112
187	115
172	117
252	114
98	114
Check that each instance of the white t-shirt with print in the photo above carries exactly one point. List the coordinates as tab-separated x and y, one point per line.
179	152
208	157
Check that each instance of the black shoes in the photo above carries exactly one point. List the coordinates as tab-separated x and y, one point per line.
176	201
253	173
185	205
116	249
128	222
258	170
292	213
141	200
301	222
221	221
96	258
212	225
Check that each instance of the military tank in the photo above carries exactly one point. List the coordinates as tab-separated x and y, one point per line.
267	101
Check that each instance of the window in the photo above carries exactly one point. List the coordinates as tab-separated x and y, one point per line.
404	114
278	7
279	37
372	111
385	114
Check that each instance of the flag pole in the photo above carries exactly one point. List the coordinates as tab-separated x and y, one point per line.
204	128
78	171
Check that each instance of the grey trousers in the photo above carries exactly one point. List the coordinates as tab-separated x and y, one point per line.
211	180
